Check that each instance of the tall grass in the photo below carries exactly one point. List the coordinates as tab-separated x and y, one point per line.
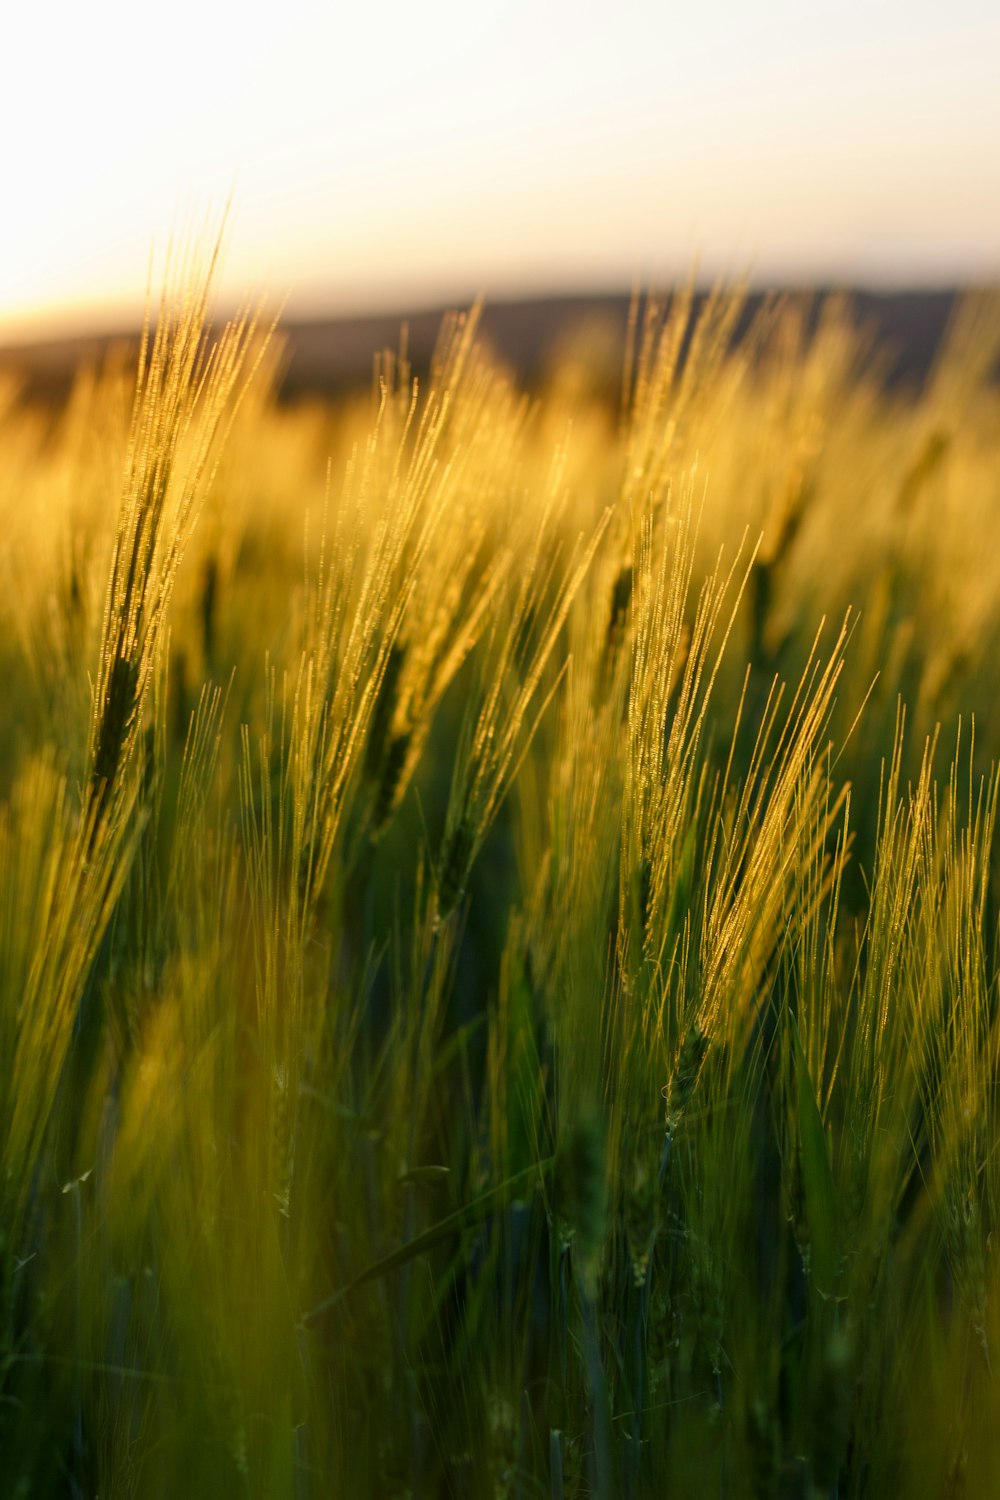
498	921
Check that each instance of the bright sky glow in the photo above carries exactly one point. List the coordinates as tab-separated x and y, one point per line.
388	155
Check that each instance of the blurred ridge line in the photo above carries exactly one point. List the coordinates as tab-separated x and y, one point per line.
329	355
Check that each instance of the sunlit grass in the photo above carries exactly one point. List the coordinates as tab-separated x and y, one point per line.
498	922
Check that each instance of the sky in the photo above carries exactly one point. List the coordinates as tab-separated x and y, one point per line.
389	156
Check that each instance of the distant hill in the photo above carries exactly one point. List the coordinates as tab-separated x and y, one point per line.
328	355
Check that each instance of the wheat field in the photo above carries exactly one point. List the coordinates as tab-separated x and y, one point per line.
499	919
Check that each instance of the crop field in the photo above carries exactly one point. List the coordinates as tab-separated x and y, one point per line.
499	919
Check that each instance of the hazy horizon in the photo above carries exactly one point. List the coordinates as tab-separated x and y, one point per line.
384	162
83	324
